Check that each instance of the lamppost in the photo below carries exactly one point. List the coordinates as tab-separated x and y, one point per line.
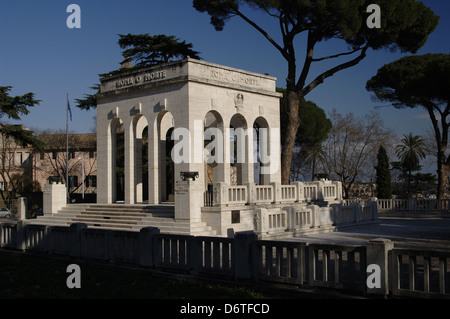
82	165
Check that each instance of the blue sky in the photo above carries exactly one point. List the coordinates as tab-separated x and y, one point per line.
40	54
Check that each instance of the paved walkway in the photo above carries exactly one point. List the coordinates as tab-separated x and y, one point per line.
406	231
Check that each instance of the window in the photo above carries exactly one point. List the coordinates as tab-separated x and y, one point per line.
91	181
19	158
235	216
91	154
27	158
54	155
41	156
11	159
73	181
2	186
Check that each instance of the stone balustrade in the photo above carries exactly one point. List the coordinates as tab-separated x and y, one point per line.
244	256
324	190
298	219
406	205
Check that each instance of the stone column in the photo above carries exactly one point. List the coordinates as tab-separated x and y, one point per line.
103	160
129	141
248	168
153	164
271	161
138	170
222	170
110	178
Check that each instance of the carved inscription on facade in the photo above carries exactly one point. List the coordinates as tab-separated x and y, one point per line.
141	79
234	78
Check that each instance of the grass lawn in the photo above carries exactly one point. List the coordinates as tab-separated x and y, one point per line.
25	276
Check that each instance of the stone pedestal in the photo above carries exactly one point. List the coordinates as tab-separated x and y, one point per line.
22	208
188	200
54	198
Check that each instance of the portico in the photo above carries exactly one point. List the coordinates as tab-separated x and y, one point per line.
182	106
192	147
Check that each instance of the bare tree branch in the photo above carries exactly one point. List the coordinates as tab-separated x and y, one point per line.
336	55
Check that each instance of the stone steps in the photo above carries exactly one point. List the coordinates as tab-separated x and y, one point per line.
125	217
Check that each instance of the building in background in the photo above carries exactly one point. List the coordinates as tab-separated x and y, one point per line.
49	165
24	170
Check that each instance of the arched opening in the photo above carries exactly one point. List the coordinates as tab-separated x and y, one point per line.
140	132
261	150
239	151
167	173
117	164
214	149
169	167
145	164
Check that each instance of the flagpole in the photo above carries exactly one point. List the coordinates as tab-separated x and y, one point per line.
67	151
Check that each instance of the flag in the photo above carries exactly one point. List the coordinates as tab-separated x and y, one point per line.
70	111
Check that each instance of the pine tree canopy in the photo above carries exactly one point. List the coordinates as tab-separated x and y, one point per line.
148	50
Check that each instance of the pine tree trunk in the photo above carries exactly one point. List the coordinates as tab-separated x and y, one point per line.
442	172
291	133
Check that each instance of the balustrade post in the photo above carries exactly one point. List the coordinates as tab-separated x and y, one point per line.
299	188
20	236
75	245
244	267
220	196
378	254
290	215
357	212
22	208
315	212
411	205
251	196
338	188
374	209
146	245
337	210
276	192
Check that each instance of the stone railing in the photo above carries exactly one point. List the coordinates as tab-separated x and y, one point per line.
414	205
309	217
237	194
324	190
264	193
405	205
244	257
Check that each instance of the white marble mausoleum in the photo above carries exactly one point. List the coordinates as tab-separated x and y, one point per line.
208	138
